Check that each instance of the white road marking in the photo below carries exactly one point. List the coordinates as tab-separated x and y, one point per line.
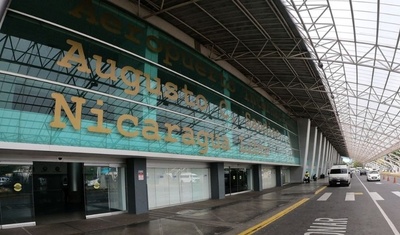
375	196
397	193
324	197
328	226
390	223
350	196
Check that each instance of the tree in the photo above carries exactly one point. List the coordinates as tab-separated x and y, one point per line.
358	164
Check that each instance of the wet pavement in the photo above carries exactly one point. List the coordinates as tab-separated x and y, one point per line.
227	216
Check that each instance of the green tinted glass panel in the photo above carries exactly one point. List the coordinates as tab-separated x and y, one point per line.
97	90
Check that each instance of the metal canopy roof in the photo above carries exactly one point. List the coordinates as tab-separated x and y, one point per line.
331	61
357	43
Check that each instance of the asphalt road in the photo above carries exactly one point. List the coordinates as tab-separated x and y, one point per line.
362	208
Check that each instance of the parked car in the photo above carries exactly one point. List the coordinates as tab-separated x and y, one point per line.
363	172
373	176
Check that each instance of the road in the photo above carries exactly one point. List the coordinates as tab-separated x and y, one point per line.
362	208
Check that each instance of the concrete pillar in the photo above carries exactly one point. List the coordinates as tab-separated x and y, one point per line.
328	155
331	160
337	157
136	180
304	126
324	159
75	175
217	180
319	147
257	177
278	170
75	182
313	147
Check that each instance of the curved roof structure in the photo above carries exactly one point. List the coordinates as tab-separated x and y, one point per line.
334	62
357	44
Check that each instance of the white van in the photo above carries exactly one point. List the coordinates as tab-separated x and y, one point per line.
339	174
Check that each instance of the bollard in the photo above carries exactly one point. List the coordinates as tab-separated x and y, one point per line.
394	179
388	178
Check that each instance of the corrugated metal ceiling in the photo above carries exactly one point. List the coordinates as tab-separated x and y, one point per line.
260	40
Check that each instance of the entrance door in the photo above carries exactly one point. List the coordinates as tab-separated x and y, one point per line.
16	194
104	189
58	192
235	180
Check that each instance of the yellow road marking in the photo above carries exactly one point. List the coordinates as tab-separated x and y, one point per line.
273	218
319	190
359	193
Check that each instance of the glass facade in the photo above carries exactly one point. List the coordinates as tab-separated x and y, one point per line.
88	74
50	191
104	189
269	177
173	186
16	194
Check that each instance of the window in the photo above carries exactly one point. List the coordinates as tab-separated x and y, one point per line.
338	171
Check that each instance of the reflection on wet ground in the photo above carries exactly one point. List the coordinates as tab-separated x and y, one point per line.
228	216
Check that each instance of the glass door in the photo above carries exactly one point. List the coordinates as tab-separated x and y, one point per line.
58	191
104	189
236	180
242	179
16	196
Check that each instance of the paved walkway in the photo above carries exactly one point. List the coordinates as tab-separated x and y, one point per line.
227	216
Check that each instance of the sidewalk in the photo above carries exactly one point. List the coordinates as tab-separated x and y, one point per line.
227	216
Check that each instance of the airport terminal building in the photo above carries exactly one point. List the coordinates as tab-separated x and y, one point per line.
102	112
